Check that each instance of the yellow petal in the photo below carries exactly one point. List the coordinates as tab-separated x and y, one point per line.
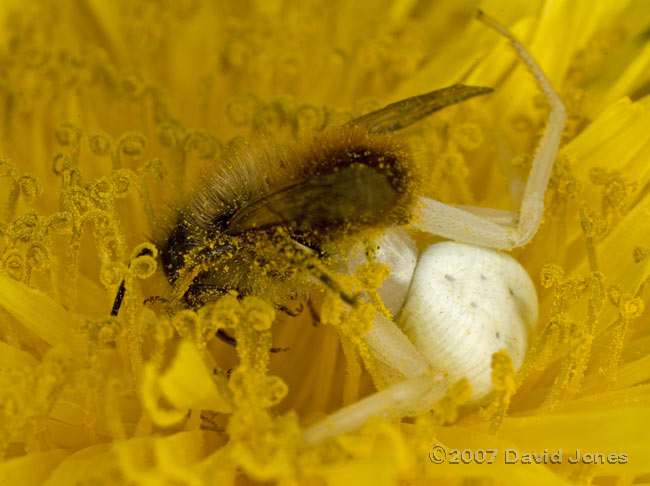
30	469
187	383
37	312
12	357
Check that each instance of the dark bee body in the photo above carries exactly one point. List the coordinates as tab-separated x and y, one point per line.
318	189
318	192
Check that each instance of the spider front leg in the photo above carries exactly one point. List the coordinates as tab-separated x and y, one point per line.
494	228
387	342
420	390
409	397
390	346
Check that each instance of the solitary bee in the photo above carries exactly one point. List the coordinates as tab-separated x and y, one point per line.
263	220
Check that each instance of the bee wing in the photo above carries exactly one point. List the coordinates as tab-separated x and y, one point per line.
406	112
353	193
279	208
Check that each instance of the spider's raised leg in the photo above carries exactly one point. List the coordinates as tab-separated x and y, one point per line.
481	227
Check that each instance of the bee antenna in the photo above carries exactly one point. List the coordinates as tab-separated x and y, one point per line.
119	297
117	303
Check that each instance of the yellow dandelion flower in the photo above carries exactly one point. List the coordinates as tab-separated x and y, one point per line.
108	111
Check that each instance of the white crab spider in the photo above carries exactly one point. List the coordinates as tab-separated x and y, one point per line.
487	295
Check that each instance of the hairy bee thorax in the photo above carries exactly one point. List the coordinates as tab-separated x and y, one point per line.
319	189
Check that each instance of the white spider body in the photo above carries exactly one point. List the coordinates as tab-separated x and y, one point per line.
465	304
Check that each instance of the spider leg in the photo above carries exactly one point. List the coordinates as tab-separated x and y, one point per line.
412	396
391	346
501	217
474	225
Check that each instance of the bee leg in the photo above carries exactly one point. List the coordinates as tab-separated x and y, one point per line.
307	258
199	293
219	371
290	312
228	339
278	350
157	298
326	279
314	313
209	423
